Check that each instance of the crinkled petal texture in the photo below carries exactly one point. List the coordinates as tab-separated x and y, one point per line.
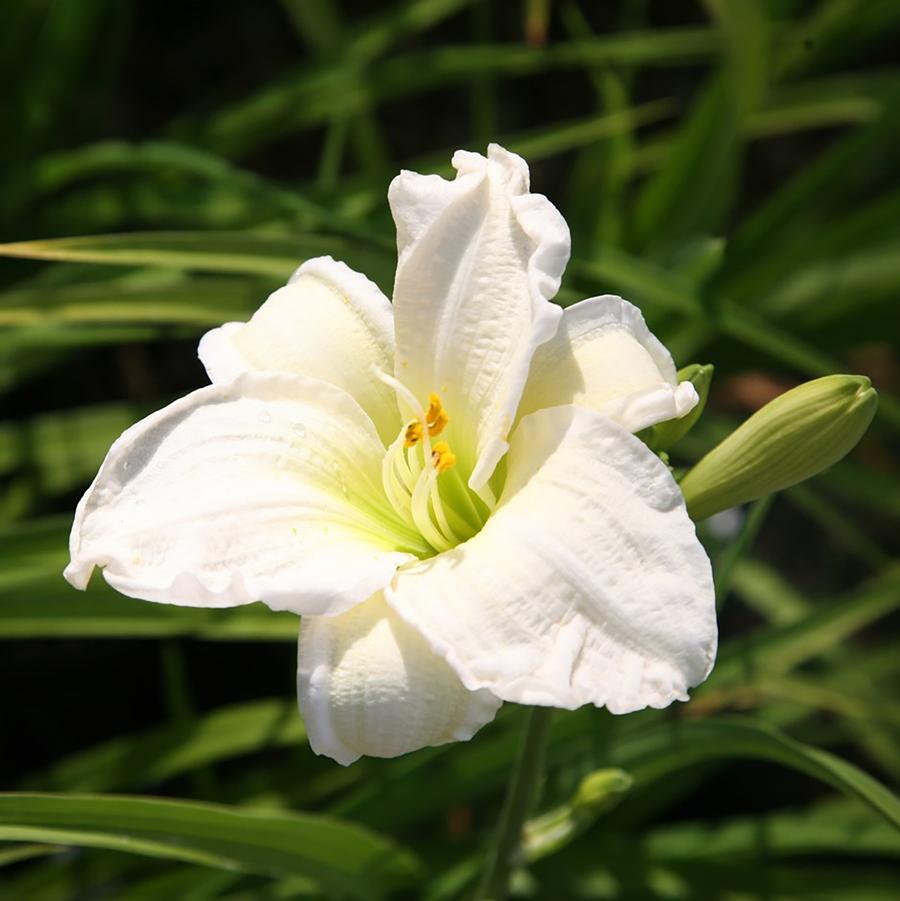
369	684
587	584
604	357
479	258
328	323
264	489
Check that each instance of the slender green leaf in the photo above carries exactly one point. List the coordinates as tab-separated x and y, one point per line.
824	290
312	95
250	253
737	548
835	522
778	650
17	853
762	588
197	301
52	173
695	189
820	186
192	883
59	452
837	28
135	761
826	829
661	752
344	859
645	282
48	607
757	332
846	99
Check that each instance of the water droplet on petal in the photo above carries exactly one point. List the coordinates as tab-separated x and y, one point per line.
300	429
265	416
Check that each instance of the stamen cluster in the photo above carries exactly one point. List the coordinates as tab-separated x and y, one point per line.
444	514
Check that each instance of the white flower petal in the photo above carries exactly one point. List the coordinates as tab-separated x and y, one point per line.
586	585
328	323
605	357
267	488
479	257
368	684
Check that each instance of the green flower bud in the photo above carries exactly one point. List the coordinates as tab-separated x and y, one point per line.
600	790
797	435
597	793
665	435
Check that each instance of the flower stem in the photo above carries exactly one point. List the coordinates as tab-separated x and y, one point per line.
521	794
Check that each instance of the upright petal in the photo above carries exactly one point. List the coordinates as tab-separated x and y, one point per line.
587	584
479	258
604	357
328	323
368	684
267	488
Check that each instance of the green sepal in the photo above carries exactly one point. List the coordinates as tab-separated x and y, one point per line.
665	435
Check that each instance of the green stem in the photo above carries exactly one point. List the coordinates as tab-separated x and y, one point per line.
520	797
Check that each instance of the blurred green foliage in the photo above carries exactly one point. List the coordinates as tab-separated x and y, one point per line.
732	167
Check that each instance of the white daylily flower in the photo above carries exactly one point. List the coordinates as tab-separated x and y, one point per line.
448	489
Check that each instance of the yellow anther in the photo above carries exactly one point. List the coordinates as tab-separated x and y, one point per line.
436	417
442	457
413	434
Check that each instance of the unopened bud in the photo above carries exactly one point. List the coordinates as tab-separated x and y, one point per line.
667	434
596	793
600	790
797	435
